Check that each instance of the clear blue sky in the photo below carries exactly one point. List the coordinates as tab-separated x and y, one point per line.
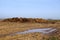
30	8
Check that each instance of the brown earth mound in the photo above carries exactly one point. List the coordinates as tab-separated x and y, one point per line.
37	20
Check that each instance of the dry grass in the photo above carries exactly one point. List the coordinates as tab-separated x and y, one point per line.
7	28
30	36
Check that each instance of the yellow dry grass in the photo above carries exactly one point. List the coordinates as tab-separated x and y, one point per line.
7	28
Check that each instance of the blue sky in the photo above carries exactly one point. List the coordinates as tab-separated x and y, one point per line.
30	8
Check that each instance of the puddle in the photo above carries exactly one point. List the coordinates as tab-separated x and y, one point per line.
42	30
